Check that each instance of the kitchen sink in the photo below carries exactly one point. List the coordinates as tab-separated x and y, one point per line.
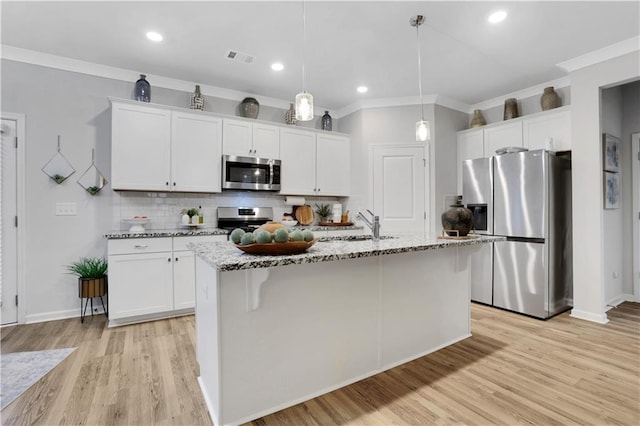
364	237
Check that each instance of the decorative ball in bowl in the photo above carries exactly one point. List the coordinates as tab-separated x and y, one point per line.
288	222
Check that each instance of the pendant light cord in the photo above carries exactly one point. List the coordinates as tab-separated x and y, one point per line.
418	23
304	43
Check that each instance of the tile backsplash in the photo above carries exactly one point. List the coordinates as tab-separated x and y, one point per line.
163	209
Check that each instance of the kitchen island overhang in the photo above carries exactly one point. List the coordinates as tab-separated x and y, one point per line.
274	331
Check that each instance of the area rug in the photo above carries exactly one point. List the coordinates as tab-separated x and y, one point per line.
20	370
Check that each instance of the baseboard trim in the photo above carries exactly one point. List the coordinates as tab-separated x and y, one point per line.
620	299
58	315
589	316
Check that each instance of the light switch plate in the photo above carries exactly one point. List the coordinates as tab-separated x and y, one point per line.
66	209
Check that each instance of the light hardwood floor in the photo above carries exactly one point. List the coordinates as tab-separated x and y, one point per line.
513	370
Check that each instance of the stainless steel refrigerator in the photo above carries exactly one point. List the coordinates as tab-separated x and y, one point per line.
532	269
477	195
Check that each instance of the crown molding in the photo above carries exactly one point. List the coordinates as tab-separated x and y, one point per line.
520	94
601	55
83	67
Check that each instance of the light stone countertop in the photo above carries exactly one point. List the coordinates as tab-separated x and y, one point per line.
225	256
159	233
192	232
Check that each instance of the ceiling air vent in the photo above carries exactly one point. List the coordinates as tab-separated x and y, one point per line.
234	55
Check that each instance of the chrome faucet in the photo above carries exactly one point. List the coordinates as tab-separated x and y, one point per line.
373	224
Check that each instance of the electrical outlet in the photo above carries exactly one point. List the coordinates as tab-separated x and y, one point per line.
66	209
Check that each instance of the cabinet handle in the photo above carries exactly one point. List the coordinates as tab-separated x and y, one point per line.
141	246
177	259
168	259
166	183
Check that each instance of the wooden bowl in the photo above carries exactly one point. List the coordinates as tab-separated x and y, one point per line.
277	249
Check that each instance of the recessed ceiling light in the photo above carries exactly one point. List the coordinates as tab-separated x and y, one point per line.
498	16
154	36
277	66
362	89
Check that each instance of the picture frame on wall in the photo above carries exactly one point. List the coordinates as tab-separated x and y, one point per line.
611	190
610	153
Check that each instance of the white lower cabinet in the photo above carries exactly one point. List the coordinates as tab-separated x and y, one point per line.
151	278
147	289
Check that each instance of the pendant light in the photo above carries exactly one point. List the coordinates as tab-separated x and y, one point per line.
304	99
423	128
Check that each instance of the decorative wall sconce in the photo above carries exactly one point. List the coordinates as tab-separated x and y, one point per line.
92	180
58	168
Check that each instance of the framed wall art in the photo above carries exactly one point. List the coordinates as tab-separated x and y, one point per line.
611	190
610	153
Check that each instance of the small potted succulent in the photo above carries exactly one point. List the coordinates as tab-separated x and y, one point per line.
92	279
324	211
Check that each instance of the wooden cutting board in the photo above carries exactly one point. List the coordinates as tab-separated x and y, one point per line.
304	215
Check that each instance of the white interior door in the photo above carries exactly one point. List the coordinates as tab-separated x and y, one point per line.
635	149
399	188
8	225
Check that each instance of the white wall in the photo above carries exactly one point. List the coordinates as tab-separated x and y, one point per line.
396	125
611	106
76	107
446	125
588	230
630	125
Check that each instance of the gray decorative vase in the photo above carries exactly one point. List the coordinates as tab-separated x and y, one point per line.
143	89
510	109
478	120
249	108
457	221
197	100
326	122
549	99
290	116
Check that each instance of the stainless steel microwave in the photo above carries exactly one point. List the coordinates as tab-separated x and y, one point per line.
250	173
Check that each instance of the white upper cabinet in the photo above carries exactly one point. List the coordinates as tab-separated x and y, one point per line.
333	171
470	146
314	164
156	149
195	153
298	155
502	136
551	131
236	137
266	141
140	147
248	139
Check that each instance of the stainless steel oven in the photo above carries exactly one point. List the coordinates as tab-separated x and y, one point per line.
250	173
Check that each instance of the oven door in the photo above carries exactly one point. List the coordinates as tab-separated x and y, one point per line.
250	173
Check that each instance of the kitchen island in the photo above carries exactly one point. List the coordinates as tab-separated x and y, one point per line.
273	331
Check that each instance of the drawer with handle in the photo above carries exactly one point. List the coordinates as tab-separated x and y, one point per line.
139	245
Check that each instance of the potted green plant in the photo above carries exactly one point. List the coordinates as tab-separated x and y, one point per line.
92	280
324	211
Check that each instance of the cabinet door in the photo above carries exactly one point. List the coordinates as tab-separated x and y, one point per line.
266	141
184	280
470	147
333	171
504	135
298	155
196	153
140	284
140	147
551	131
237	138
